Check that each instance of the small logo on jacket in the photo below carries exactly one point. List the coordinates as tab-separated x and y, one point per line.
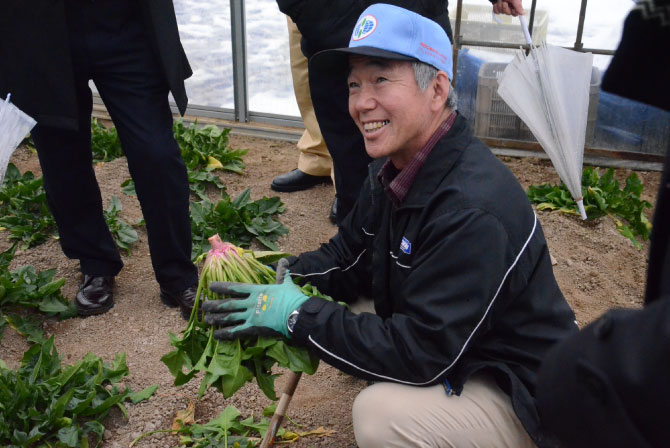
406	246
364	28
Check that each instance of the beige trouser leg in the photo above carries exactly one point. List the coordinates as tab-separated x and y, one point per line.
314	157
394	415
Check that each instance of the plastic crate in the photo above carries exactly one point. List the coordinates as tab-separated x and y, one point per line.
477	23
495	119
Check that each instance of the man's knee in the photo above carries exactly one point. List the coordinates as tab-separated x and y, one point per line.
375	416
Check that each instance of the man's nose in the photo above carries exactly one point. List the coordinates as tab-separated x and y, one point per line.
365	100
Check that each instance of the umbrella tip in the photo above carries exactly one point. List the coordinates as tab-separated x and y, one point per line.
9	95
582	211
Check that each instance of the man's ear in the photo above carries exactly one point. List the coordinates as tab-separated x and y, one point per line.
441	86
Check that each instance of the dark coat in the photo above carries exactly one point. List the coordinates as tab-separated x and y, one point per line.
326	24
608	385
460	275
35	60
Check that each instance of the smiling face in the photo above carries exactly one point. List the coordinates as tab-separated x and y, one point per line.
395	117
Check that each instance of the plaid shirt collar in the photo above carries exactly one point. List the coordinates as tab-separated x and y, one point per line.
396	182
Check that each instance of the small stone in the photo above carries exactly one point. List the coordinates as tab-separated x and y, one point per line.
107	434
553	260
569	262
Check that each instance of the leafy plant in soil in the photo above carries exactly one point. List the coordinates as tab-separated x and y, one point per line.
124	235
602	196
105	143
202	147
238	221
197	183
23	208
47	404
228	365
24	288
228	429
206	147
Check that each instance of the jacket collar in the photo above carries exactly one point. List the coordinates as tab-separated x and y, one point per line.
439	163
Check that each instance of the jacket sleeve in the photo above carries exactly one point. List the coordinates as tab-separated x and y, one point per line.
339	268
447	303
608	385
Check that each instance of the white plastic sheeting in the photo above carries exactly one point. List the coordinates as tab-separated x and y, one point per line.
14	126
549	90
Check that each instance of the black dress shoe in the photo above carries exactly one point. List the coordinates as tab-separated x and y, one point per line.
333	212
184	299
297	180
95	295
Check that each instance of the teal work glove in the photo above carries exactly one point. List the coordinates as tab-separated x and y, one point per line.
257	310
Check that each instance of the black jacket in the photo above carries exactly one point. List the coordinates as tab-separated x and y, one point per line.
326	24
460	275
35	60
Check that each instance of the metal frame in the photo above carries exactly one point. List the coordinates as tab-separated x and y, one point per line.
239	42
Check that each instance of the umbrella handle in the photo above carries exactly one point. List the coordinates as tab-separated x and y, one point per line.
524	27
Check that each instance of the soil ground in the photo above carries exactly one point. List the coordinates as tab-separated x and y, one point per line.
595	266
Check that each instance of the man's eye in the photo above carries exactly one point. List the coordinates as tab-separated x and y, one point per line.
381	79
353	85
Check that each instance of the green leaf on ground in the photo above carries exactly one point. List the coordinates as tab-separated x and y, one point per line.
602	196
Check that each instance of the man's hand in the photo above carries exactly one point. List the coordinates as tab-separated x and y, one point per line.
509	7
257	309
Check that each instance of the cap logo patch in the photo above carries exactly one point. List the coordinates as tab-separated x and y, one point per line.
364	27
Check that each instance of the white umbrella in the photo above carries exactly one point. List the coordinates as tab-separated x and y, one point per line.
549	90
14	126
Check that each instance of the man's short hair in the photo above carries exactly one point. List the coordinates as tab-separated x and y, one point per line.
424	74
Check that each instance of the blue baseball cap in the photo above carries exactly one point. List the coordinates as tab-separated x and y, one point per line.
391	32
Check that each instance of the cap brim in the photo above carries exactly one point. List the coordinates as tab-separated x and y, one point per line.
338	58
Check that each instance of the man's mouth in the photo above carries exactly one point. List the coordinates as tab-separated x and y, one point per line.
374	125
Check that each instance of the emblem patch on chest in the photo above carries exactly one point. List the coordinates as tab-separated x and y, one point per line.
406	246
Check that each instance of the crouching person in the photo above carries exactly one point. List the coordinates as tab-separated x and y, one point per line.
443	239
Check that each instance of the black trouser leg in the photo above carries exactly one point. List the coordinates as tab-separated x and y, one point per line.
330	97
135	92
72	192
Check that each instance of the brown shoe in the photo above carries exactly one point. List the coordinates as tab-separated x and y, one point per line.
95	295
184	299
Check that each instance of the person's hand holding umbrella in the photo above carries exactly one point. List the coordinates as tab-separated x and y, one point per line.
510	7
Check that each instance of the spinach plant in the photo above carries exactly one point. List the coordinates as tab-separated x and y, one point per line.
228	365
24	288
23	208
124	235
206	147
197	183
602	196
47	404
238	221
105	143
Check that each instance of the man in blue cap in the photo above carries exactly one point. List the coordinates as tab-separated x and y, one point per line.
443	239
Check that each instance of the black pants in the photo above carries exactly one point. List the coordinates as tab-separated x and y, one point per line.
109	46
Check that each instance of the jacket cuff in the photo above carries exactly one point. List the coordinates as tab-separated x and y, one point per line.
308	318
